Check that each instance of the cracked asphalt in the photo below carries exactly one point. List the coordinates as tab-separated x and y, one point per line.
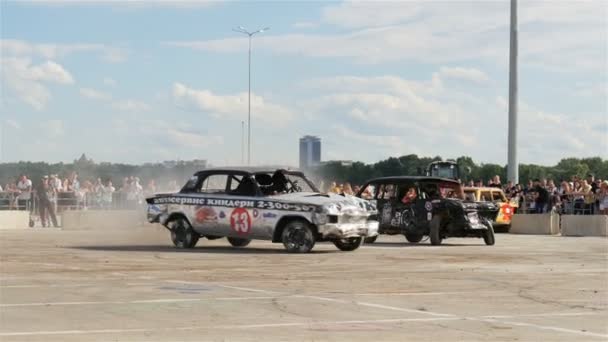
132	285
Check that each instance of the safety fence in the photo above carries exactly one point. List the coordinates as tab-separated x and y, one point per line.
72	200
568	204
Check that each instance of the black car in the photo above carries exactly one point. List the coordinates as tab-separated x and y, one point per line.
427	206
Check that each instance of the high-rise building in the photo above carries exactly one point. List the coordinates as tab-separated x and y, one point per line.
310	151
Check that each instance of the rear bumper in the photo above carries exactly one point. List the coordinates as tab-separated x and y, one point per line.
348	230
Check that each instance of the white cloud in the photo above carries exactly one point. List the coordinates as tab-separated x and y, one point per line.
12	124
232	106
53	128
110	82
131	105
440	32
466	74
29	81
94	94
128	105
21	48
128	4
395	116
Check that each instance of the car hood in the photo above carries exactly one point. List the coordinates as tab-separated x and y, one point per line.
333	202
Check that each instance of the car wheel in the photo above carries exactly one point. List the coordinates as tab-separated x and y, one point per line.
413	237
350	244
435	233
238	242
488	234
371	239
297	237
182	234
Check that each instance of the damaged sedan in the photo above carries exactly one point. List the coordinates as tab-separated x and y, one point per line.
278	205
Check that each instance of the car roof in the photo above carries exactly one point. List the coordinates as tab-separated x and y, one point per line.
248	170
410	178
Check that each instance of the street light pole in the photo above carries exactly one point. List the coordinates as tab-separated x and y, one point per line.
513	164
250	35
249	107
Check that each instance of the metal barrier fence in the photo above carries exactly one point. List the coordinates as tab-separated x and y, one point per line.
72	200
564	204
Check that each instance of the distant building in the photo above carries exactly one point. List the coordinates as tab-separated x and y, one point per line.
310	151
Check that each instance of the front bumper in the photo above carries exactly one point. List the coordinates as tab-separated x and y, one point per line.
348	230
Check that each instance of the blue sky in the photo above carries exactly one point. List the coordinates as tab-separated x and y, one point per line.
150	81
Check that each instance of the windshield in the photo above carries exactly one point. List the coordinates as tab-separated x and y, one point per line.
301	184
444	171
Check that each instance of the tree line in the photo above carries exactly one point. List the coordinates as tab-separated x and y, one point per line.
413	165
356	173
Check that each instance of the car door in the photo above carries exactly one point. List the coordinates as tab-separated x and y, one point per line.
423	208
387	206
206	219
250	216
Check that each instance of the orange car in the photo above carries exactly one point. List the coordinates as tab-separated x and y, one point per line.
496	195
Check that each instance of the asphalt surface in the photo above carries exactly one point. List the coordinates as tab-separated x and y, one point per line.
133	286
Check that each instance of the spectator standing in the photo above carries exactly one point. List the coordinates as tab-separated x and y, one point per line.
347	189
583	197
603	198
107	192
24	191
150	188
541	196
496	182
45	205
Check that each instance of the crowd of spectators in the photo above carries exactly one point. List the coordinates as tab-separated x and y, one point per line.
579	196
53	193
574	196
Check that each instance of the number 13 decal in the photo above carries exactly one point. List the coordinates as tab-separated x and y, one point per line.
240	221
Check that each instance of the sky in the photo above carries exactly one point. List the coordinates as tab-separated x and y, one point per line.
147	81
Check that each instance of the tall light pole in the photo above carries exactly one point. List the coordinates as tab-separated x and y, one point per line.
250	34
513	164
242	142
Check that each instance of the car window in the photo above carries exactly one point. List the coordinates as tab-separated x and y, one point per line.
214	184
470	195
485	196
369	192
242	186
387	191
498	196
234	183
299	183
190	185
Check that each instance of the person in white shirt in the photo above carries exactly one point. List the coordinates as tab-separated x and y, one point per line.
25	192
106	195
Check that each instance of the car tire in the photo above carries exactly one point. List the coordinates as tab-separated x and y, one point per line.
349	244
238	242
488	234
298	237
435	231
182	234
413	237
371	239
